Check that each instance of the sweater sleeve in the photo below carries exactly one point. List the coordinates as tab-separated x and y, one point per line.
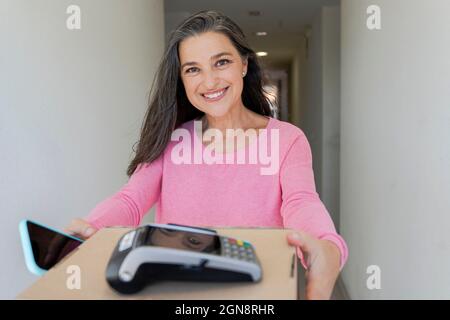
301	207
128	206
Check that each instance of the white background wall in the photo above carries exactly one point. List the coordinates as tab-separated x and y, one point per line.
316	99
313	112
297	83
71	106
395	148
331	109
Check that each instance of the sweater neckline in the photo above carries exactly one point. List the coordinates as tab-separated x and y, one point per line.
247	145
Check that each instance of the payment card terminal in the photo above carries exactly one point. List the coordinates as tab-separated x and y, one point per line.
163	252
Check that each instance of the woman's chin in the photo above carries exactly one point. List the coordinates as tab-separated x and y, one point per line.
216	111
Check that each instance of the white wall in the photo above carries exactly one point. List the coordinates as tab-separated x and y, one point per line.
331	109
297	84
320	116
395	148
71	105
313	113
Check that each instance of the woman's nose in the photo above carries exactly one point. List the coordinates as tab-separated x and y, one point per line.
210	80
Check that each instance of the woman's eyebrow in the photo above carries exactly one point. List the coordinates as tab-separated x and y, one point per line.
212	58
188	64
220	54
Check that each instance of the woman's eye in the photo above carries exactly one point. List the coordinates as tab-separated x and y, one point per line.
223	62
191	70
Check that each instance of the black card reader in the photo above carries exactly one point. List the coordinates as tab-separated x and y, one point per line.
158	252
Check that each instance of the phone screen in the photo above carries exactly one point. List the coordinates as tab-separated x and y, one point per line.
48	246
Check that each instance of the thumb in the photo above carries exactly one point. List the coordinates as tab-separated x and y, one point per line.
88	231
82	228
302	240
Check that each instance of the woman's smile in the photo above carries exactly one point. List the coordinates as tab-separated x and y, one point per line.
216	95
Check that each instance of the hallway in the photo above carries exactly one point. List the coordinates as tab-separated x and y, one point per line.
298	44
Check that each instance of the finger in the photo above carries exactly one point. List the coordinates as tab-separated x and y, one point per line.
302	240
89	231
81	229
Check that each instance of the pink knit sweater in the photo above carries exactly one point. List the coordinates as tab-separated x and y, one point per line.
198	193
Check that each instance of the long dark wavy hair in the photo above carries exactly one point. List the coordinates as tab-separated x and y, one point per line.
169	106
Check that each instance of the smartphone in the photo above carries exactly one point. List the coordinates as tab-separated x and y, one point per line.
43	246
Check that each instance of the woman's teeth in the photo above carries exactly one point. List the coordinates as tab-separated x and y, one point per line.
216	95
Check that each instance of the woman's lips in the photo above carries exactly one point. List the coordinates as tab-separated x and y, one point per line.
215	95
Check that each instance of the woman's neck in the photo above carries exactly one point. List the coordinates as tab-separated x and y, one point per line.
237	118
241	119
234	119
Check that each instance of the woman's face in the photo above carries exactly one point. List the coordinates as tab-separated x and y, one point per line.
212	73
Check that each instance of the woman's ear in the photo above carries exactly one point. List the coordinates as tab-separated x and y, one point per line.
244	66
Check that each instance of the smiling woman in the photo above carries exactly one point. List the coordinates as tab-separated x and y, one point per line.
209	73
213	83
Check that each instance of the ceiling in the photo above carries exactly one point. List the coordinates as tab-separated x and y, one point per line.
283	20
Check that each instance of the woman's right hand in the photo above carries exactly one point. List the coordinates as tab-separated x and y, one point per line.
80	228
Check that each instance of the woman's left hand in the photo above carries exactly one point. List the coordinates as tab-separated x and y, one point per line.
322	258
